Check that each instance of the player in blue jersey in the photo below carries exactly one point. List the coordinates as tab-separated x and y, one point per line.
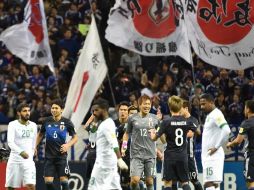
55	129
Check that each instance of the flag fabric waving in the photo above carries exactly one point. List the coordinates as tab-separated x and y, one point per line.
29	39
222	32
88	76
148	27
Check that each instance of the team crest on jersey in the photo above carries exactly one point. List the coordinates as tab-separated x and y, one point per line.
49	125
150	122
62	127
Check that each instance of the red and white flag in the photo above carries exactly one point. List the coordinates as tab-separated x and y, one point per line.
29	39
149	27
88	76
221	31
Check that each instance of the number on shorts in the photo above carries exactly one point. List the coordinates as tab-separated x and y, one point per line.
55	135
209	171
91	181
179	137
143	132
66	170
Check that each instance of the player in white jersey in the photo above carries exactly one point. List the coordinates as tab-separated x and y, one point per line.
104	175
21	138
215	134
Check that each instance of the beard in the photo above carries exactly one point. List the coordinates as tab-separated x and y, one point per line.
24	118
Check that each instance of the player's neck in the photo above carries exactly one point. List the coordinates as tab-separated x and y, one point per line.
142	114
23	122
123	120
212	108
104	117
175	113
57	118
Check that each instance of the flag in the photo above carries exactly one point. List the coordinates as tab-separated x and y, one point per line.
88	76
29	39
149	27
222	32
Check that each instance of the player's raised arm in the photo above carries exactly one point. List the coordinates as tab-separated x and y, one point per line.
126	136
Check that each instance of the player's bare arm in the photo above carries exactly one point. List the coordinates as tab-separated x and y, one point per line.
89	121
65	147
124	144
238	140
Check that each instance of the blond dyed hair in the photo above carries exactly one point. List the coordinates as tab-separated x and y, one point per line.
175	103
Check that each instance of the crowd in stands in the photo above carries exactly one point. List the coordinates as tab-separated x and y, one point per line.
130	74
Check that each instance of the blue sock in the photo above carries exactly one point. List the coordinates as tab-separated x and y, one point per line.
65	185
50	185
174	185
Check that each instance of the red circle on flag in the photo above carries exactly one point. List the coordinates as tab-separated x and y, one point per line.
155	21
219	19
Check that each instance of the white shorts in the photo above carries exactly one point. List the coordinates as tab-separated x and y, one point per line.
213	170
20	174
104	178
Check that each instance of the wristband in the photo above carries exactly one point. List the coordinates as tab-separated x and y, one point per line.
124	144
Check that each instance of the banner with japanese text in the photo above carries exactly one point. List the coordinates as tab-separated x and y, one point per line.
149	27
221	31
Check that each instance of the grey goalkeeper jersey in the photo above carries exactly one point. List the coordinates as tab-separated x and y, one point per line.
141	144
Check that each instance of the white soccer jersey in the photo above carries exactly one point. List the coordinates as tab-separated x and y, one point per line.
215	120
106	141
21	138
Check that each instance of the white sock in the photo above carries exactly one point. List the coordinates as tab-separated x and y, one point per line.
218	188
210	188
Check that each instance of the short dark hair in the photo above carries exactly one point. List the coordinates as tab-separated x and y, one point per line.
58	102
132	107
207	97
186	104
102	103
250	105
21	106
123	103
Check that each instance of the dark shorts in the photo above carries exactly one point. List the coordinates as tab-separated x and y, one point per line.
249	168
56	166
193	170
175	170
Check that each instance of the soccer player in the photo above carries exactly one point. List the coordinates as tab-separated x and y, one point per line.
142	148
192	165
121	124
56	128
215	133
175	128
104	175
21	139
91	127
247	130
